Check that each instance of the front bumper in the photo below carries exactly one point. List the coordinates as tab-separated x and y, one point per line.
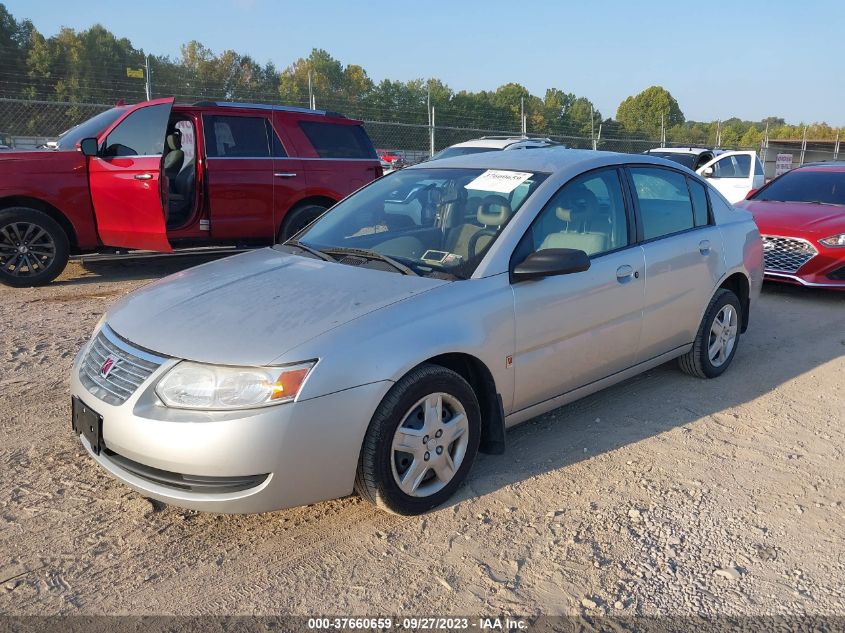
296	453
824	266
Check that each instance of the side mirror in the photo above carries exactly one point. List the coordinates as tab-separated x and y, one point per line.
708	172
551	262
750	193
89	147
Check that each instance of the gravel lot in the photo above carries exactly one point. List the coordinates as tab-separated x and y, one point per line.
663	495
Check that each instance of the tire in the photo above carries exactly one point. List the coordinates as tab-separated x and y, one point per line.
34	248
700	361
298	218
382	465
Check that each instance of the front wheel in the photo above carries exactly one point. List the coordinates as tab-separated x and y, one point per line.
717	338
421	442
34	248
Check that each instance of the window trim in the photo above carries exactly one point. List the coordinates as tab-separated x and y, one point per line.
710	219
638	214
521	246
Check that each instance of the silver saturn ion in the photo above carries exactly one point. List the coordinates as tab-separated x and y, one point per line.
401	333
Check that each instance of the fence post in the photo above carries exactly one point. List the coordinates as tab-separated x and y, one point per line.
149	82
431	134
803	146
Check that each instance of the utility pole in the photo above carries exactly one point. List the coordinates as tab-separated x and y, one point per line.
662	131
431	135
148	80
598	138
593	129
310	92
764	146
836	146
719	134
522	115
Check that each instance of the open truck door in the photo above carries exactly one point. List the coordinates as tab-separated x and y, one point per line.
126	178
734	174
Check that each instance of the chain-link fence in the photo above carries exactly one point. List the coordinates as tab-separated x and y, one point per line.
33	123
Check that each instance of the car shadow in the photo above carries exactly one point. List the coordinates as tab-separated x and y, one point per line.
664	398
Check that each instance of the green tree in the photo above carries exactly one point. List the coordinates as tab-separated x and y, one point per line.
643	112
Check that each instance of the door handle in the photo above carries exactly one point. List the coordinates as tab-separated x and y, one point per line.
284	174
704	247
143	176
625	273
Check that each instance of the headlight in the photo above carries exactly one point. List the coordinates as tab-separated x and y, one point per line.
834	240
216	387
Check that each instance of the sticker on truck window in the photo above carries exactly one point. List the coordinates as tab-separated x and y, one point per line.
499	181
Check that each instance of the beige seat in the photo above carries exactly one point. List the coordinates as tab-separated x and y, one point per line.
578	211
468	239
175	157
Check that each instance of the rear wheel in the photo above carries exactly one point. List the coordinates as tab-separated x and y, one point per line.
421	442
34	248
298	218
717	338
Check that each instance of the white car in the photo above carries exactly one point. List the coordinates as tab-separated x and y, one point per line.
734	174
493	144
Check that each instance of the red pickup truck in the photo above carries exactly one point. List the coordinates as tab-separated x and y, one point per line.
158	176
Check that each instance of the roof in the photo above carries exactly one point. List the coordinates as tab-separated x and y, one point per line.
543	160
830	165
497	142
680	150
265	106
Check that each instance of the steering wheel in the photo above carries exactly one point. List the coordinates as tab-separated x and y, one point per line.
473	241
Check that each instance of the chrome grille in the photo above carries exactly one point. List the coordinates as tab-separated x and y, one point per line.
786	254
130	369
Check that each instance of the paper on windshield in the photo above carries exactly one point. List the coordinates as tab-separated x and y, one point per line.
499	180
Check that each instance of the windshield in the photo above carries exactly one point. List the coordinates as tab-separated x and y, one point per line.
450	152
89	128
434	221
687	160
806	186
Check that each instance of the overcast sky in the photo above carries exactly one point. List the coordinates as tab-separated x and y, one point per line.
722	58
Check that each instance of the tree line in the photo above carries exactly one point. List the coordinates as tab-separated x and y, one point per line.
90	66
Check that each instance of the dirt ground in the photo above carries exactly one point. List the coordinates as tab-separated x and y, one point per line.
663	495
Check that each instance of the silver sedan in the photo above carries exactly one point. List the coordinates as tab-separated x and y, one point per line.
405	330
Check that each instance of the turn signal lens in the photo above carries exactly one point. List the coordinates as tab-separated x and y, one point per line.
834	240
192	385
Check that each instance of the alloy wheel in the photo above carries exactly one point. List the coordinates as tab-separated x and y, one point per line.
722	338
26	249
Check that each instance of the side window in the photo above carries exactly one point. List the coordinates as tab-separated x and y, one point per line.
733	167
587	214
663	200
334	140
699	202
277	150
236	137
140	133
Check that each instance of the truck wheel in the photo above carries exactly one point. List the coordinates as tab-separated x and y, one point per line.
298	218
34	249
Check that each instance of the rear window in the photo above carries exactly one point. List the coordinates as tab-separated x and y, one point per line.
334	140
236	137
806	186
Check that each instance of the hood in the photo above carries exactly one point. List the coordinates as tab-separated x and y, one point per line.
795	218
249	309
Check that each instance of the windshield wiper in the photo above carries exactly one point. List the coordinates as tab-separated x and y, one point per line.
308	249
364	252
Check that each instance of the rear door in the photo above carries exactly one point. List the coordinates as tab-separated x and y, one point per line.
733	174
683	256
127	186
239	176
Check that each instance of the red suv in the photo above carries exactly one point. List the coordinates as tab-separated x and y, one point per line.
158	176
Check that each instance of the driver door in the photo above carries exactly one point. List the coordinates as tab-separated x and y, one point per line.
733	174
126	179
